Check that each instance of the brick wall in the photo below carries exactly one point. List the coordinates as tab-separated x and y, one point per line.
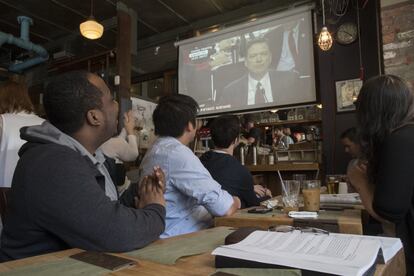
398	40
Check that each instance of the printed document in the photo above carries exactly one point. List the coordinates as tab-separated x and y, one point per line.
341	198
339	254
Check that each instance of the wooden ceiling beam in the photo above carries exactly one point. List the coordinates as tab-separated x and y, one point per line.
236	16
174	12
107	27
217	6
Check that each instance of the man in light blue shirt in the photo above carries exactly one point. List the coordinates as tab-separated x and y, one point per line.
193	197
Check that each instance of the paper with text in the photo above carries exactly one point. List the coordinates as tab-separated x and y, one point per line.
339	254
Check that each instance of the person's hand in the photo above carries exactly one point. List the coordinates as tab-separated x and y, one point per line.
129	122
259	190
357	175
234	207
251	140
268	193
159	176
362	166
237	202
150	192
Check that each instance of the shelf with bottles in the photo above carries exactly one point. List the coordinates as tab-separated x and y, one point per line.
299	115
284	166
287	122
202	140
258	158
305	155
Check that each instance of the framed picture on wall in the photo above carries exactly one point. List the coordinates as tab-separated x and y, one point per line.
346	94
142	111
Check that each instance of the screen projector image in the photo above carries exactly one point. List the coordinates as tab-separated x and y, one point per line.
262	64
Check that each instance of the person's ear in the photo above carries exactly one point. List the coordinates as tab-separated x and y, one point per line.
93	117
236	142
190	126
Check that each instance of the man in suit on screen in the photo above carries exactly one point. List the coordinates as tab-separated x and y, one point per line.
260	85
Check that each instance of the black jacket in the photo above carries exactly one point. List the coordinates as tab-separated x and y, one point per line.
232	176
394	190
236	92
58	202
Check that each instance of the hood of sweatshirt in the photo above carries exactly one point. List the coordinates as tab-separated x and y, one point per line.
46	133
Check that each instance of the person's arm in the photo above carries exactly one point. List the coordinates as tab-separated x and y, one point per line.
128	149
234	207
359	180
191	178
72	206
246	188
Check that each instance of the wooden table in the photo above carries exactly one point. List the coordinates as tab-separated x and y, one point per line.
202	264
345	221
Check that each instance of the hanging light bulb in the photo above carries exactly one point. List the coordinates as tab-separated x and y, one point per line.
90	28
325	38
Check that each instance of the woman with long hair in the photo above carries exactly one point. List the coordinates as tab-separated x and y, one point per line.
16	111
385	113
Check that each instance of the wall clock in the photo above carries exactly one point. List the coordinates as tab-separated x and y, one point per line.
347	33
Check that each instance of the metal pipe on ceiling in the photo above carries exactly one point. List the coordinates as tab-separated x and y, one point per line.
47	21
24	43
17	27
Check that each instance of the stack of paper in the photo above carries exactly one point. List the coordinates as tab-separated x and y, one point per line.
339	254
341	198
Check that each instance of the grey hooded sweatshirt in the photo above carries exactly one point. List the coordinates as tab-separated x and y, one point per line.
60	200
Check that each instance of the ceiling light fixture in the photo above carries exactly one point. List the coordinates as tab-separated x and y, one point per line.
90	28
325	38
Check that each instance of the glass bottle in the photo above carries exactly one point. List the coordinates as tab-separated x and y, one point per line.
300	113
291	115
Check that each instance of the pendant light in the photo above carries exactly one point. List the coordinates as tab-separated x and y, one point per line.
90	28
325	38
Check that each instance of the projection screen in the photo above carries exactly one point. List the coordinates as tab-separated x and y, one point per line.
257	65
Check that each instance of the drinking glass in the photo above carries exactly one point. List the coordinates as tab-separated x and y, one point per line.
290	193
299	177
311	195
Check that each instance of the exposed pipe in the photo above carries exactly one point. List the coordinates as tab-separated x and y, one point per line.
24	43
25	23
19	67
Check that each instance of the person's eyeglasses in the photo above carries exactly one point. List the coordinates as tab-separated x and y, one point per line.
288	228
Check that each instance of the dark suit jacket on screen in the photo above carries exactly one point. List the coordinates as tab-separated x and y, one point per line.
281	82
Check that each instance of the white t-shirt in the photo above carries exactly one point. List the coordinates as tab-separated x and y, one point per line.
10	142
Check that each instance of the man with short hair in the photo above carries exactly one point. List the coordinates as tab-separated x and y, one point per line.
280	139
261	85
227	170
349	139
350	142
193	197
62	195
